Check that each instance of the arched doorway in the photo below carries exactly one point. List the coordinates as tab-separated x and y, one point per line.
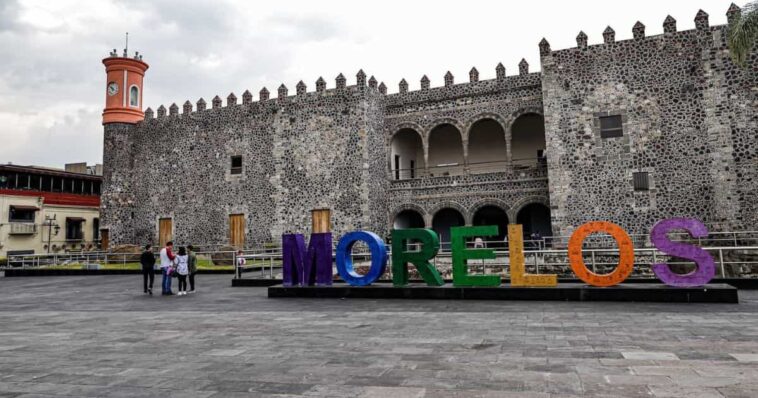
535	217
486	147
442	221
445	150
408	219
407	154
493	215
528	140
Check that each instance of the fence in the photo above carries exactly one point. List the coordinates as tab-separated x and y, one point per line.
734	261
107	260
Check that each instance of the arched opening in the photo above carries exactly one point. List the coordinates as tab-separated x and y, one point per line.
493	215
442	222
528	140
445	151
408	219
134	96
535	219
407	154
486	147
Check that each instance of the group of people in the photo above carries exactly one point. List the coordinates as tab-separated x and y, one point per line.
183	265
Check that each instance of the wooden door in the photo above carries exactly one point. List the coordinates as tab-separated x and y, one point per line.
165	231
104	239
237	230
321	220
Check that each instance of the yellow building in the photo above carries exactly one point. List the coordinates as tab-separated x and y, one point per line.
44	210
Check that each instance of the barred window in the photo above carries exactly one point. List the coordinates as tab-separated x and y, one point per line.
641	181
236	165
611	126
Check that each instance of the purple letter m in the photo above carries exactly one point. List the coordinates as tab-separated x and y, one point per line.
304	268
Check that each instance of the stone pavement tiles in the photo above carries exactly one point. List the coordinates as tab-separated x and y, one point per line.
100	337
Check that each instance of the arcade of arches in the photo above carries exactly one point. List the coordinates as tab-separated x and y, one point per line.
486	149
534	217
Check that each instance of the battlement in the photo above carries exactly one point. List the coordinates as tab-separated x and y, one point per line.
449	90
302	95
702	27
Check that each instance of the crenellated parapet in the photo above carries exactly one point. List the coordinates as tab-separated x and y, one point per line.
702	26
449	88
363	86
474	87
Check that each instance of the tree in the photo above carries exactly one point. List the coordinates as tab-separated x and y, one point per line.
743	33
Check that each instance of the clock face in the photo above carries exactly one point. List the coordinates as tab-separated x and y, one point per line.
112	88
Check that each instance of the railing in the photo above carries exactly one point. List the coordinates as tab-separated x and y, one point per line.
734	238
731	261
107	260
19	228
454	169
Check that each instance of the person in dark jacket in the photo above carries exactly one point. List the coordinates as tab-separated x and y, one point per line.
147	259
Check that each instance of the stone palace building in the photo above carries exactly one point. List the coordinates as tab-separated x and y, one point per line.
629	131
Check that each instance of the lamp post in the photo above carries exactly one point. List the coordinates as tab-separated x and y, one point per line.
50	223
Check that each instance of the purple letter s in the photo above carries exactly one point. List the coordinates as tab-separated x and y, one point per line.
706	268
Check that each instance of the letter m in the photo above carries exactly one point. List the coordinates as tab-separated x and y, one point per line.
306	268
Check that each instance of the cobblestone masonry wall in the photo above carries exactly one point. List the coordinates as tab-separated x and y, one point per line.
689	120
299	153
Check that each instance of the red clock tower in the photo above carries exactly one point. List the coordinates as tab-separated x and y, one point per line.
123	90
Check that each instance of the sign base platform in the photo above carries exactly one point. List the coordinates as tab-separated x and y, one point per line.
638	292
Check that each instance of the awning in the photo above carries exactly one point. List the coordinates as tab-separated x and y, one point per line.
30	208
75	219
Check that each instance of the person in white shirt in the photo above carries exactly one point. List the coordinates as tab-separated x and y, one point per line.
167	260
240	264
182	270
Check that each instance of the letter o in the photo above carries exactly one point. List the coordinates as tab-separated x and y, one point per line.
345	263
626	254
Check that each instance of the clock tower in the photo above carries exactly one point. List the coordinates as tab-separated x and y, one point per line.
123	88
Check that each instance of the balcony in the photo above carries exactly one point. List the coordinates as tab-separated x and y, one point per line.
19	228
477	173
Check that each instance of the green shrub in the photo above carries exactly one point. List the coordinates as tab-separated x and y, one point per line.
3	262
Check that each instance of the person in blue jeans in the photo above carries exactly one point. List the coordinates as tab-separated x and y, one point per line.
167	261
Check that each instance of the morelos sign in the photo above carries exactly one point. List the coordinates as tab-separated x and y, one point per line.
314	266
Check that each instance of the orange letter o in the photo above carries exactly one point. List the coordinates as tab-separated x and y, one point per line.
626	254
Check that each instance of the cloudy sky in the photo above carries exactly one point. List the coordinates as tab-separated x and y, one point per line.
52	81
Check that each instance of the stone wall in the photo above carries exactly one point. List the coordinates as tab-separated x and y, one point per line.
685	115
299	152
688	116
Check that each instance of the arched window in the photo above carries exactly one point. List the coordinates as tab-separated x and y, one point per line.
528	140
134	96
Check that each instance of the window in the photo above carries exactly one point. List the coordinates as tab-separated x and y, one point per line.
57	184
236	165
610	126
413	169
96	188
22	213
95	229
74	228
397	167
641	181
134	96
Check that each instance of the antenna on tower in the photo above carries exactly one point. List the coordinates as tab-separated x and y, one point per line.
126	46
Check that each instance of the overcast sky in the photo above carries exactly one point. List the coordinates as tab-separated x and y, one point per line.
52	81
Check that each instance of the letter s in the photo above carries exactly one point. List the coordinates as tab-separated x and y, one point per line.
706	268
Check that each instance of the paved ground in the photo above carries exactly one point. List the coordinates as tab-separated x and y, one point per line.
100	337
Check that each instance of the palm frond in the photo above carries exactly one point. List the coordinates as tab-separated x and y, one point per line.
743	33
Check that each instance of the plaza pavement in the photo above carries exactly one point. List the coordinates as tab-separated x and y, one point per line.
100	337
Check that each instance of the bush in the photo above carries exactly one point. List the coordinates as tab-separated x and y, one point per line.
3	262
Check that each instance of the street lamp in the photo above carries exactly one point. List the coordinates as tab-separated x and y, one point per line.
50	223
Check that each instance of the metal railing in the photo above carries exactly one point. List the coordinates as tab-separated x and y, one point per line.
459	168
733	238
101	259
728	259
